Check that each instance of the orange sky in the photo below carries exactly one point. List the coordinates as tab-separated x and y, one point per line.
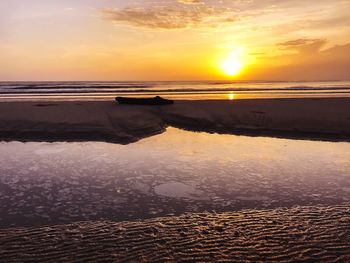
174	40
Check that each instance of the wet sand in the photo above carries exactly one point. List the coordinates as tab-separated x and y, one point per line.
327	119
302	234
46	186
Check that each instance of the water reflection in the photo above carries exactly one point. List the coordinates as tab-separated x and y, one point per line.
172	173
231	96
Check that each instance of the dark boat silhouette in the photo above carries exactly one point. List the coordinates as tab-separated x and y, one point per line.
144	101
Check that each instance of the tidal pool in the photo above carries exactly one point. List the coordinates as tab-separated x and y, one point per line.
172	173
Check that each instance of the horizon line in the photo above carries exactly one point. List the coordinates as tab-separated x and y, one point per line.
208	80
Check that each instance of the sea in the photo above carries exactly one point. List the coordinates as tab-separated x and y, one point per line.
184	90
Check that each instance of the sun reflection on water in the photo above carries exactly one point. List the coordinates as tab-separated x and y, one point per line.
231	96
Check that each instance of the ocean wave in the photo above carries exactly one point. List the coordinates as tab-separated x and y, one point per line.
173	88
58	90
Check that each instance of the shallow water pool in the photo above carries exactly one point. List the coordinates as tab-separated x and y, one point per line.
171	173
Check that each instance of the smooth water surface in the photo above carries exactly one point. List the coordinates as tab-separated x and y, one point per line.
172	173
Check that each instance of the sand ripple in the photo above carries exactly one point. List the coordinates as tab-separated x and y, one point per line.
315	233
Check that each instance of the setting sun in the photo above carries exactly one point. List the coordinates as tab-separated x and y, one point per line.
233	64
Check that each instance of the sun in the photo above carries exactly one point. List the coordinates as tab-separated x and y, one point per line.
233	64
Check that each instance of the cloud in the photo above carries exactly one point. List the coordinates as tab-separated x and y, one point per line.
297	42
304	45
190	2
171	17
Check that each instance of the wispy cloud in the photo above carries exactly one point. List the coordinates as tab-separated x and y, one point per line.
304	45
190	2
171	17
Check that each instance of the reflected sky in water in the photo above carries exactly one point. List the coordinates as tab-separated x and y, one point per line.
172	173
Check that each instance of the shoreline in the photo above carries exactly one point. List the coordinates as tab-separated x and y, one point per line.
307	233
315	119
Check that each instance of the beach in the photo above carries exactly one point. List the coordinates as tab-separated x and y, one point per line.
301	234
326	118
202	181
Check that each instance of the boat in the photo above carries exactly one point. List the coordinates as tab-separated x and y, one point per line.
144	101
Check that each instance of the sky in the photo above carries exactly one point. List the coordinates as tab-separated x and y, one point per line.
174	40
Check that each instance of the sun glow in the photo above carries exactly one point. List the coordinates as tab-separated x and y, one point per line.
233	65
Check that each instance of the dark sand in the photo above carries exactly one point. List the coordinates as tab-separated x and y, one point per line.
106	121
301	234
